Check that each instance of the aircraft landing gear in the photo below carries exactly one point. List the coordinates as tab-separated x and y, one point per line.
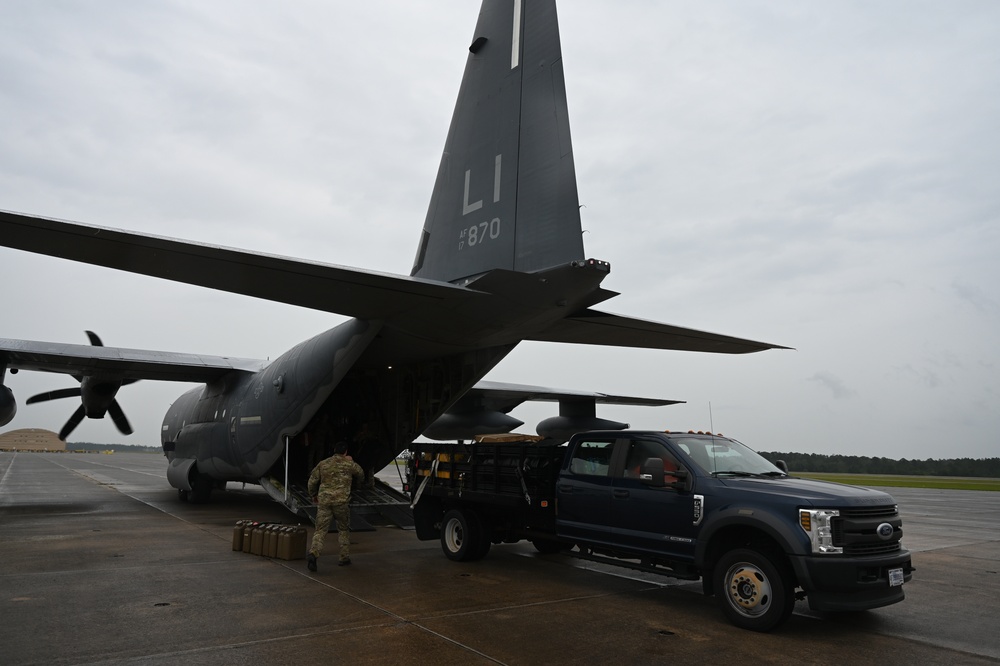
201	488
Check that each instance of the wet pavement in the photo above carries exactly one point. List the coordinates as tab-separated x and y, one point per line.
100	563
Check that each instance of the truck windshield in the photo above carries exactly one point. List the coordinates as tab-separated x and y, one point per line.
723	456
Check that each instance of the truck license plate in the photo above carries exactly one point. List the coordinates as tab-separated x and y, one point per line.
895	577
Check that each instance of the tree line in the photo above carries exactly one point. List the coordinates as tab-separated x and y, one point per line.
838	464
120	448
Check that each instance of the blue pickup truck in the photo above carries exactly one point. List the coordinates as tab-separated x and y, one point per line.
688	505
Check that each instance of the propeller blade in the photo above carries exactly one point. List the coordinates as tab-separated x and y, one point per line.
118	416
53	395
73	422
99	390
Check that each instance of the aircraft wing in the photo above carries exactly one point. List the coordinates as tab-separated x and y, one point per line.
504	397
326	287
593	327
118	362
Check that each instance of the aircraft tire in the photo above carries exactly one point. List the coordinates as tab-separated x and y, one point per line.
754	589
201	487
460	536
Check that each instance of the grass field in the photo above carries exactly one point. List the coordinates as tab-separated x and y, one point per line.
943	482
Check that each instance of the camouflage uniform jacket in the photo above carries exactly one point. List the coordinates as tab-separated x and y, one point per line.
332	478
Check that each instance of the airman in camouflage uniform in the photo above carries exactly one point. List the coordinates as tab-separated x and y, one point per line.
330	483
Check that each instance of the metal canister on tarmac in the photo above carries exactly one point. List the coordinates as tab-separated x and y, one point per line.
247	535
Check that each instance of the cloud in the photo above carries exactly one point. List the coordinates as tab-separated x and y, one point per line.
924	377
976	297
834	384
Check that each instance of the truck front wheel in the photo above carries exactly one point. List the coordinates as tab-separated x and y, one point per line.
460	538
754	590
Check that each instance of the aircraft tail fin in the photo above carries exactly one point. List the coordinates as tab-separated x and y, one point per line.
506	195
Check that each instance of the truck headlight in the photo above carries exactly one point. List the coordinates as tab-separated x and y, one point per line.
817	524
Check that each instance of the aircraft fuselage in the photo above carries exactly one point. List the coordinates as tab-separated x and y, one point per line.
247	426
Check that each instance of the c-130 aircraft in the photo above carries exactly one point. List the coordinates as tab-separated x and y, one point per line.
500	259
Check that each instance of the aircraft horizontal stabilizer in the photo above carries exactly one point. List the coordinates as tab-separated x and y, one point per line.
326	287
84	360
592	327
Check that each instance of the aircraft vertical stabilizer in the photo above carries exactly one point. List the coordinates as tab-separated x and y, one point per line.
506	195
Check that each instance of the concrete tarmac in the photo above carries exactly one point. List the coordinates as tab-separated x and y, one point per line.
100	563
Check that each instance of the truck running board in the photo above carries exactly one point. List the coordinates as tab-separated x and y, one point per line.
681	572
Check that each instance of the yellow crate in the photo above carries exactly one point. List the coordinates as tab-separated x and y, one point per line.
441	473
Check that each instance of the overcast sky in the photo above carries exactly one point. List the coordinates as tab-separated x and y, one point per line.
824	176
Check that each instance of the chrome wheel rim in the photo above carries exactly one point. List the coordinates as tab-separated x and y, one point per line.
748	589
453	535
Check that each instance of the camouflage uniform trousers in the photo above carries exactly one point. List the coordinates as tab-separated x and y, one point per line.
324	514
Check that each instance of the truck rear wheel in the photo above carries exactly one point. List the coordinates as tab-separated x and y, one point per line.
460	536
754	591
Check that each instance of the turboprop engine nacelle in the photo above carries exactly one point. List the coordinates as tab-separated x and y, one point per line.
467	425
575	415
561	428
8	406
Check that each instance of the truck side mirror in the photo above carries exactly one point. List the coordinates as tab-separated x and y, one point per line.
654	474
651	473
681	479
780	464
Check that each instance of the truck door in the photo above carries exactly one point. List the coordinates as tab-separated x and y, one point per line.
650	518
584	492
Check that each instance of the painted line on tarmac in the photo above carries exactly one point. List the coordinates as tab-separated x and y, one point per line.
159	475
385	611
3	479
396	616
356	598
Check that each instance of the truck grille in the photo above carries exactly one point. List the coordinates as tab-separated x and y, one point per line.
872	549
856	530
888	511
